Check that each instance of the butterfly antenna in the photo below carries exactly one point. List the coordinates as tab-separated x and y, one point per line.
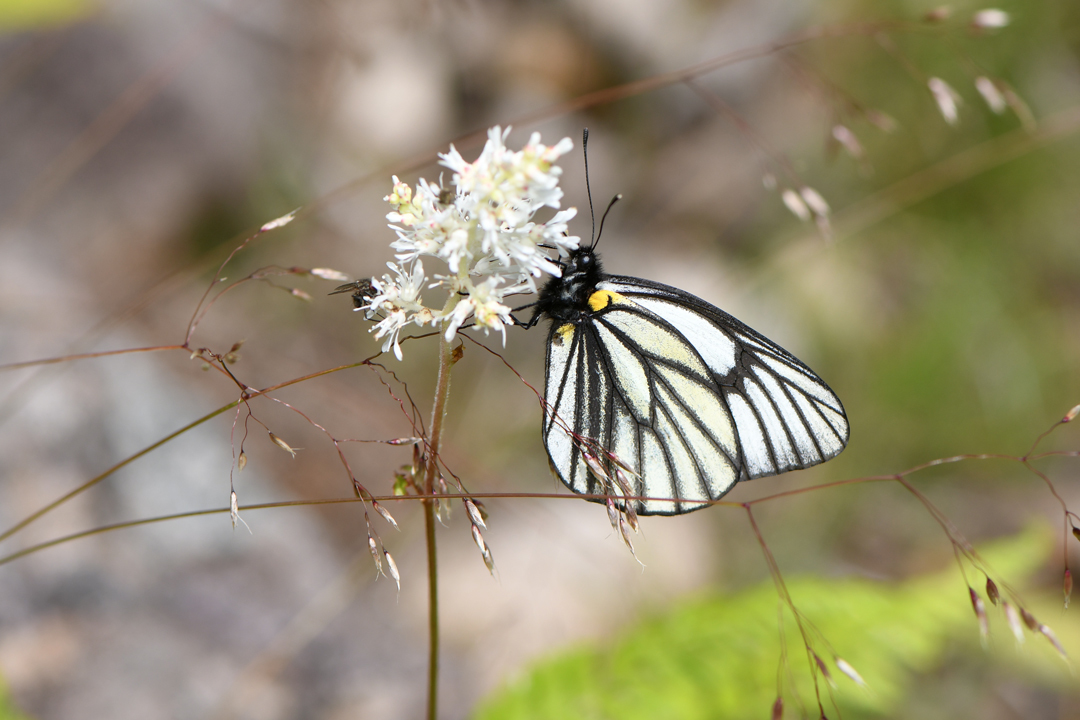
611	204
588	190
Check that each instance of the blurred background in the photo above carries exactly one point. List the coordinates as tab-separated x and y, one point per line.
141	142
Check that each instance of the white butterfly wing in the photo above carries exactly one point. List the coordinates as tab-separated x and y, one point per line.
682	394
786	417
630	385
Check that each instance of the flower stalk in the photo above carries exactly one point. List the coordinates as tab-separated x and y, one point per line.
438	412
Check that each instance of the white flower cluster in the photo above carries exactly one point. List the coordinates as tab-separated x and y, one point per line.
482	228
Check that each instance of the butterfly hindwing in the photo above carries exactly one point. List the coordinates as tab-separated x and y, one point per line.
685	396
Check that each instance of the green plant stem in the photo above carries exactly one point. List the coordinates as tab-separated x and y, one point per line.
438	410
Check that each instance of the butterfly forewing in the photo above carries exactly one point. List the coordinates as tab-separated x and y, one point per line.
683	395
786	417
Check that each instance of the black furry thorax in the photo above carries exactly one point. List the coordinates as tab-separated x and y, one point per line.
566	298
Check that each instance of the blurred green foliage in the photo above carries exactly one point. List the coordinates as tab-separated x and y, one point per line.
718	656
21	15
7	707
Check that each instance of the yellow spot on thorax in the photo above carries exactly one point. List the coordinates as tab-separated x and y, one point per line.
602	298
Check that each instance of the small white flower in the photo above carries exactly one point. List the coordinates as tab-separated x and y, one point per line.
401	292
483	229
390	328
482	304
398	299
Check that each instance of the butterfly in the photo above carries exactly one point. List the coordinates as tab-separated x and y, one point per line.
656	395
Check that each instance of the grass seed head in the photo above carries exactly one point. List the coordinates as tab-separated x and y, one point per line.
851	672
393	569
1049	635
1013	619
385	514
980	613
373	546
282	444
990	19
990	93
474	513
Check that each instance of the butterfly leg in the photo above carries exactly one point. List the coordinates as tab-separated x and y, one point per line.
531	321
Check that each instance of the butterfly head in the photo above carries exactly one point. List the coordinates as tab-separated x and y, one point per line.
566	297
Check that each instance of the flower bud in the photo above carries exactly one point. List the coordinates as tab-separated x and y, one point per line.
992	591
